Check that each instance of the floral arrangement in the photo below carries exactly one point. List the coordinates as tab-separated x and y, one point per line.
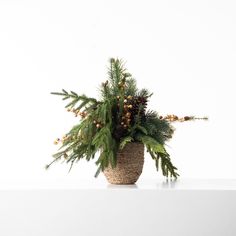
119	117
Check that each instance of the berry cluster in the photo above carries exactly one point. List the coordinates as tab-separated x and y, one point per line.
98	124
127	111
63	139
77	112
133	107
172	118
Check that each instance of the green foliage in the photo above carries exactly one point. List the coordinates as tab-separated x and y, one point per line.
159	154
158	129
125	140
75	98
118	118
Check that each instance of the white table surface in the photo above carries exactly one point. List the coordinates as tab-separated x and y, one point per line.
186	207
151	184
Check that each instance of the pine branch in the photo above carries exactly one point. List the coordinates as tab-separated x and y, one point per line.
159	129
131	87
163	160
158	153
143	93
75	98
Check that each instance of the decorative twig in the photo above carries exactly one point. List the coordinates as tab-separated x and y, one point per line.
173	118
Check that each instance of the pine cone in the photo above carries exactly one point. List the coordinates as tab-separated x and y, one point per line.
136	102
119	132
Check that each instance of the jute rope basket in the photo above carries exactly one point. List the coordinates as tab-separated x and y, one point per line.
129	165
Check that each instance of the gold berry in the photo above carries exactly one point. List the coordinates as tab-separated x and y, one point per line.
128	114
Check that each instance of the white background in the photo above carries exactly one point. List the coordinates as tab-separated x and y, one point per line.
183	51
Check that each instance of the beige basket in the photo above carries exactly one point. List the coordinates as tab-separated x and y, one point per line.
129	165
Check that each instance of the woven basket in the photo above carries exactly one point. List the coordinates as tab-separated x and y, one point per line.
129	165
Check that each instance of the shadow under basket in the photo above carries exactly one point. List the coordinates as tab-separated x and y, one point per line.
129	165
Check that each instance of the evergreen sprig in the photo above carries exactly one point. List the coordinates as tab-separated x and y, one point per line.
118	118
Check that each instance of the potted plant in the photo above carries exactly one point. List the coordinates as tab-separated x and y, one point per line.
117	126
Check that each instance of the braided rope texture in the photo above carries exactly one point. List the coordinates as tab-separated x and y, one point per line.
129	166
